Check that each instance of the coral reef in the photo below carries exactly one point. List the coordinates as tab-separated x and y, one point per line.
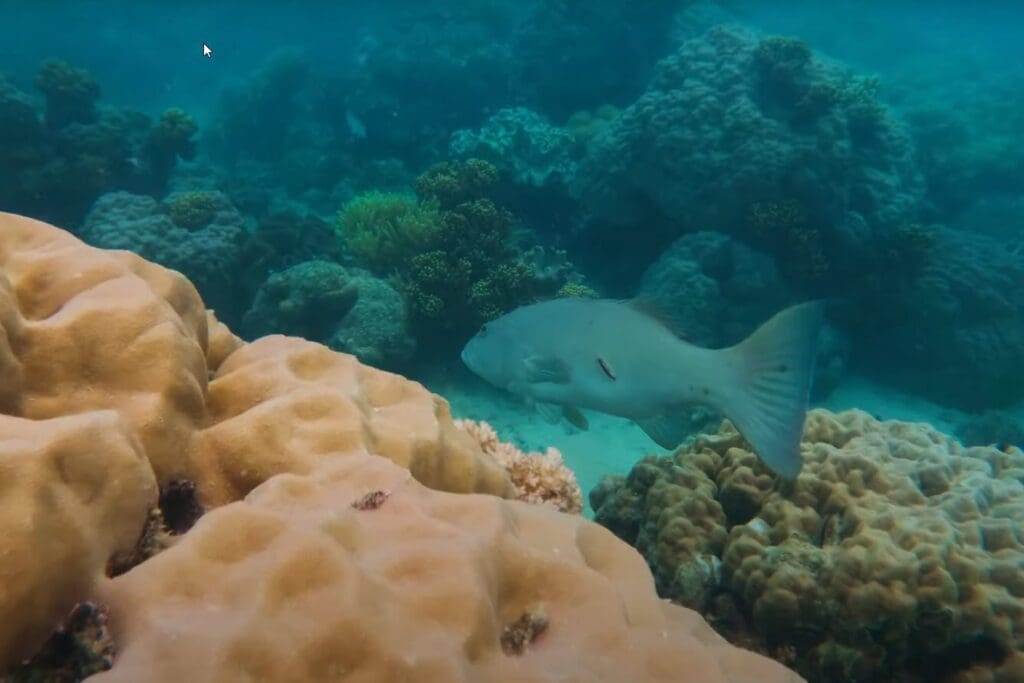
730	122
348	310
70	93
522	144
452	183
537	477
207	254
57	167
894	556
450	253
116	380
586	73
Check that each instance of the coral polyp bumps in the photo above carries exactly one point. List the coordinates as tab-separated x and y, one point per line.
896	555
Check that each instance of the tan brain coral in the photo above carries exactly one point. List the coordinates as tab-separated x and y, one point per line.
74	493
115	381
295	584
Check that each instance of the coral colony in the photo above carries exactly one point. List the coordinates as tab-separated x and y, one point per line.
307	374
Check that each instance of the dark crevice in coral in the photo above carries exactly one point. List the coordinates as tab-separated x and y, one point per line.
180	506
81	647
154	538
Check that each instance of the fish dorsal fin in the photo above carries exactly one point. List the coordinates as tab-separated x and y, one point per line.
546	369
656	311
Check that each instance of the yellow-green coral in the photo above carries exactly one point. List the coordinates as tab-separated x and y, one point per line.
577	290
192	210
383	230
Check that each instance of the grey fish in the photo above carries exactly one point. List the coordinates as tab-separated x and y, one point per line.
614	357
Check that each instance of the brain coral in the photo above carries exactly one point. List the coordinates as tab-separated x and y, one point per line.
328	550
897	554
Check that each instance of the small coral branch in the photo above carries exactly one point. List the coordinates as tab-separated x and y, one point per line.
537	477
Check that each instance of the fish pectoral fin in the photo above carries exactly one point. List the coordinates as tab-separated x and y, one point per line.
575	417
667	430
546	369
549	411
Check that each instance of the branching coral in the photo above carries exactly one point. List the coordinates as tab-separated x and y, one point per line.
451	183
537	477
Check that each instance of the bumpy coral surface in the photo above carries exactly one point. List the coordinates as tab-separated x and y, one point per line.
522	143
731	121
349	310
960	330
74	497
207	253
897	555
304	581
326	551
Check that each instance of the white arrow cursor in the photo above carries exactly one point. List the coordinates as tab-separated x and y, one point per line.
207	52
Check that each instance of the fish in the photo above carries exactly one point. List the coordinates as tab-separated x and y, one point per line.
619	358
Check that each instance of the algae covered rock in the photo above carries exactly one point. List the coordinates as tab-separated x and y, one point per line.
895	555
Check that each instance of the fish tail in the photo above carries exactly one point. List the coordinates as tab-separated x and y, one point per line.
768	400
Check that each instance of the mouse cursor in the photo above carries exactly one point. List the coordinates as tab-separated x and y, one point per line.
207	52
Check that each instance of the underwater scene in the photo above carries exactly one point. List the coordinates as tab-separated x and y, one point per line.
512	341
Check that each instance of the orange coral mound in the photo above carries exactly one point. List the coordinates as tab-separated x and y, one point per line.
114	379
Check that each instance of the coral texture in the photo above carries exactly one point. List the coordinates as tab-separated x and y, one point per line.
732	123
325	552
297	583
349	310
523	144
897	555
75	494
208	253
537	477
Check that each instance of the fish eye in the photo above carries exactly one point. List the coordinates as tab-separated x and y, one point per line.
483	329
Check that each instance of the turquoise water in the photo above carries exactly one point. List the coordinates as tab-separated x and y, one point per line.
386	178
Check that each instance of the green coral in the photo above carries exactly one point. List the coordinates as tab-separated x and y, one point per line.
71	94
576	290
384	230
192	210
451	183
172	134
